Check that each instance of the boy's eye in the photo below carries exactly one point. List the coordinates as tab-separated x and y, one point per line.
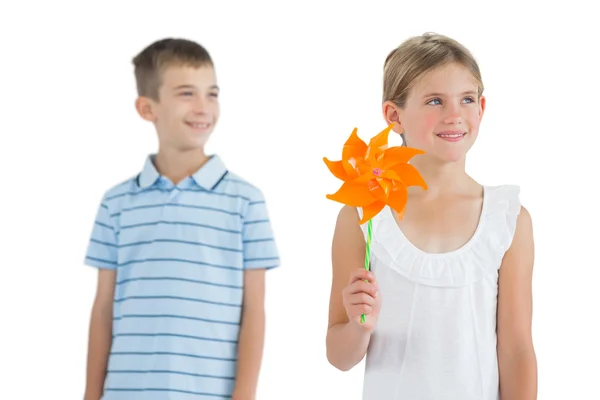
186	93
470	100
433	102
214	94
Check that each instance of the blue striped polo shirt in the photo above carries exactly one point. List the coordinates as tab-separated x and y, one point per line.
180	252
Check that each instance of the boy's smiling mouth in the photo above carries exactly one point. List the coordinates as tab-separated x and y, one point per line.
198	125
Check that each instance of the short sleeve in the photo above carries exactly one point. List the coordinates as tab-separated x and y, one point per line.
102	246
260	248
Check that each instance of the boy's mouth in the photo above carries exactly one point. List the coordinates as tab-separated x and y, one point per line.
198	125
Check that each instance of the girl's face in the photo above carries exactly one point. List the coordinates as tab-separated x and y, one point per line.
442	113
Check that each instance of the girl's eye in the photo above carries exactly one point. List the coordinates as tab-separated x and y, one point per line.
186	93
214	95
432	102
470	100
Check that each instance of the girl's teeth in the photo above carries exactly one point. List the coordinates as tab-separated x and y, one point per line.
452	136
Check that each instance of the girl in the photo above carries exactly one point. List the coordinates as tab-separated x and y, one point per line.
448	300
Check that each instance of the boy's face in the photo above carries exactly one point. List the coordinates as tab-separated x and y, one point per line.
188	107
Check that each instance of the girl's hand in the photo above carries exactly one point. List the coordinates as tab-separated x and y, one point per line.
362	297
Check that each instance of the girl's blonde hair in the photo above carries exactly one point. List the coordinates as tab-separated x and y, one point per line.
418	55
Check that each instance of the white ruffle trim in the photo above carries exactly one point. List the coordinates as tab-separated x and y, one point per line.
480	256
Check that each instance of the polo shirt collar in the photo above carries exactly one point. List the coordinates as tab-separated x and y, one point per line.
149	174
211	173
207	177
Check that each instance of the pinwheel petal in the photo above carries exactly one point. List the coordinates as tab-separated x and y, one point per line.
353	194
391	175
398	155
353	153
398	199
337	169
371	210
409	175
378	144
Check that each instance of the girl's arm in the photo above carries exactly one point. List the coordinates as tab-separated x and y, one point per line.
347	341
516	355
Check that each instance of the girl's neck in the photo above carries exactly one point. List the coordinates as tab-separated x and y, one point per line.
443	177
176	165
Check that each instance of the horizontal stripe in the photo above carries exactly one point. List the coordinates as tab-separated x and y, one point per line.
142	316
189	310
102	224
165	278
222	396
254	252
261	221
180	242
155	189
255	203
169	372
101	260
187	361
260	266
161	205
102	243
166	353
259	240
174	335
176	298
179	223
177	260
176	270
261	259
147	293
181	345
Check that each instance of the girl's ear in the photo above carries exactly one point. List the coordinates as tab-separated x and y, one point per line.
391	113
482	101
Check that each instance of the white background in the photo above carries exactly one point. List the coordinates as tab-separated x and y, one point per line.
295	79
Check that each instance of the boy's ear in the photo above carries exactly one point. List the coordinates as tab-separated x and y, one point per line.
143	105
391	113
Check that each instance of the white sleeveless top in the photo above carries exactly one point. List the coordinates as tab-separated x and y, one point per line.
436	334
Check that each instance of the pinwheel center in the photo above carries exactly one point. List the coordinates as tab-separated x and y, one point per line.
376	172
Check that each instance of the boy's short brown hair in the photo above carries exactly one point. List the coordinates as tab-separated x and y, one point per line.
151	62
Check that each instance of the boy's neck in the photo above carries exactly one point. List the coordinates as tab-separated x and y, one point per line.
177	165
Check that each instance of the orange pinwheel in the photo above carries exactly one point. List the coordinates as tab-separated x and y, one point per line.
375	175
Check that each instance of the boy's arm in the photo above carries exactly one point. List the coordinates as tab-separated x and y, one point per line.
516	355
260	255
252	333
100	335
101	254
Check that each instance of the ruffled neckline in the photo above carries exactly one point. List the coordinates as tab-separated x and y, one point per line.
480	256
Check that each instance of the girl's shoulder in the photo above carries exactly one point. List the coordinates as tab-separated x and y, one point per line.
502	206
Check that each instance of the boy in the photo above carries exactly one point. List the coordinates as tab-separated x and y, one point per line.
181	249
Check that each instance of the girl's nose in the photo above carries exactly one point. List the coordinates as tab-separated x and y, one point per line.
453	116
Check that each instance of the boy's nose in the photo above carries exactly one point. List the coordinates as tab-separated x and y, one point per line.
200	107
